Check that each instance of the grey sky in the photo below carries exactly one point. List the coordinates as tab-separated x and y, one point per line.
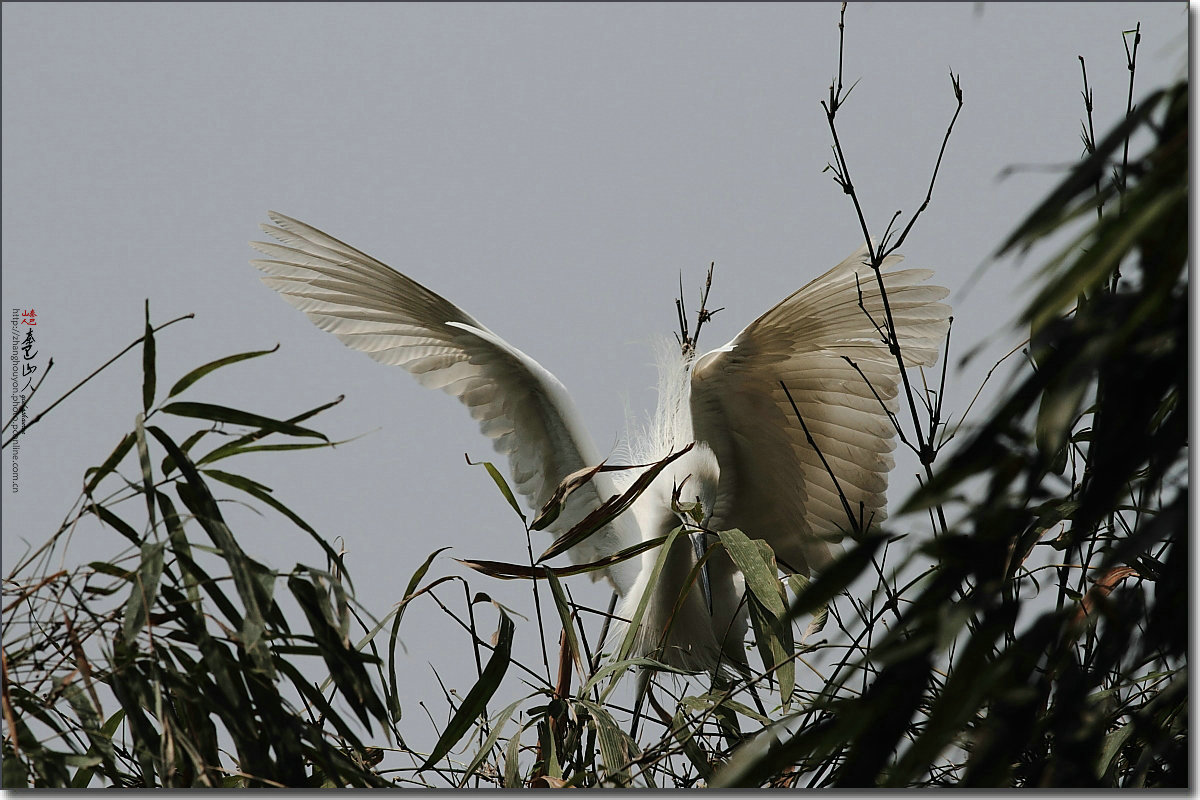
549	168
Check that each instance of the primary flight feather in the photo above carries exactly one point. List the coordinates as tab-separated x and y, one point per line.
753	467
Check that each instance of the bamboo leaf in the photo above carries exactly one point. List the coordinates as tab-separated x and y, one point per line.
143	451
477	699
761	577
564	618
233	416
149	375
512	762
145	589
616	746
262	493
99	473
497	728
508	571
635	622
409	594
242	443
199	372
681	729
567	486
609	509
345	663
253	592
116	523
628	665
502	484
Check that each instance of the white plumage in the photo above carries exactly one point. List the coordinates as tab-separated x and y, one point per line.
753	467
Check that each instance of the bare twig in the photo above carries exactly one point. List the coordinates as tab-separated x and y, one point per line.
689	341
1089	135
1131	65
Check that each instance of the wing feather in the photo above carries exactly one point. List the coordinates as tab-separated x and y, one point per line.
518	404
773	484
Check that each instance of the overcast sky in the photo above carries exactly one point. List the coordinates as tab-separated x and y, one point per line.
552	169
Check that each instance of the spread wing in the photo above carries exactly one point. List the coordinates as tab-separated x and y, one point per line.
521	406
772	484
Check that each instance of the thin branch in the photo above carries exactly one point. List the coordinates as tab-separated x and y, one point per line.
842	176
16	414
537	604
936	415
958	95
94	373
890	414
962	420
855	522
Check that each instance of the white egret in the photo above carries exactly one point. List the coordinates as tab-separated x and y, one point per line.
752	467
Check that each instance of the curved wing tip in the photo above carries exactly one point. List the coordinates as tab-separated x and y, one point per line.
282	220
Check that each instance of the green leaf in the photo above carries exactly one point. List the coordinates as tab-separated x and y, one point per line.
1095	264
304	685
609	509
147	469
116	523
835	577
346	664
242	443
505	570
564	617
233	449
15	772
201	371
767	606
245	572
490	742
498	479
145	589
233	416
99	473
148	365
398	613
260	492
775	646
628	665
112	569
180	547
761	578
682	731
512	760
168	464
635	622
477	699
718	700
616	746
